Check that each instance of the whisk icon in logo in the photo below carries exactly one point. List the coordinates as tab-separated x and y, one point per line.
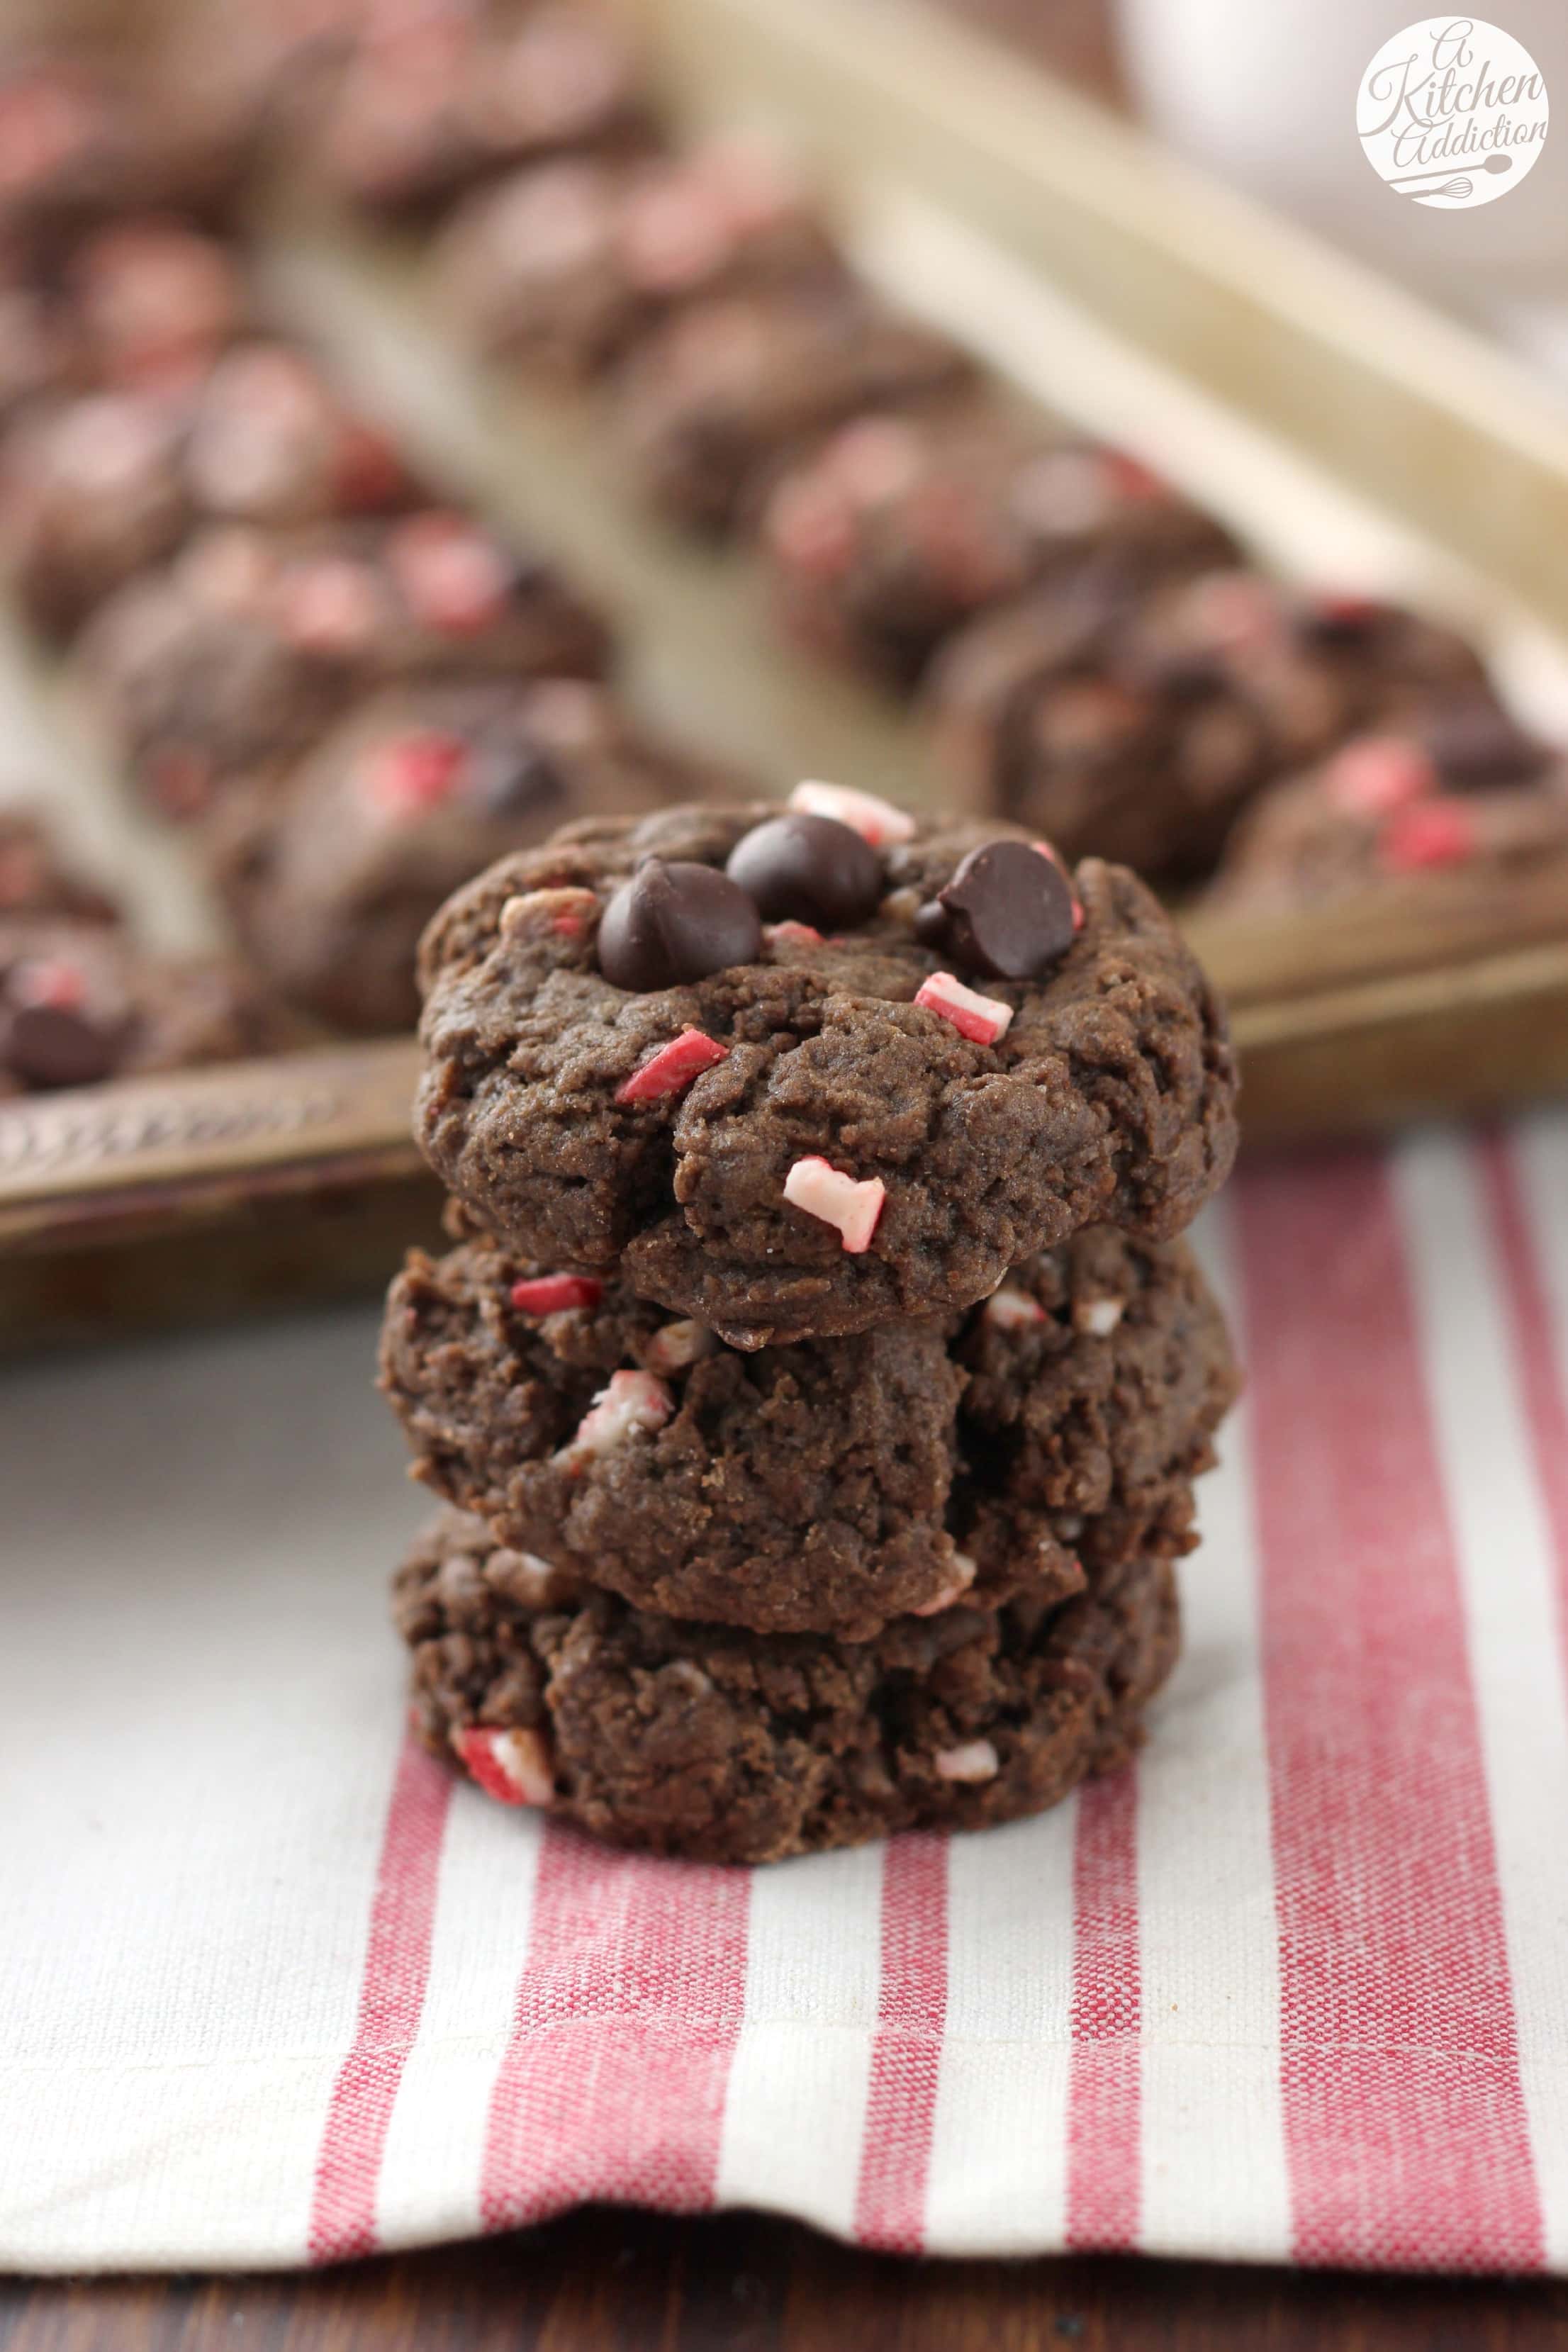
1452	111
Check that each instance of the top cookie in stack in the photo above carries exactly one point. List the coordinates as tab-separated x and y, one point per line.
798	1073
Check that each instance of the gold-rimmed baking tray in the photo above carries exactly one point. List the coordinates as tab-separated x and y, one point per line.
1108	286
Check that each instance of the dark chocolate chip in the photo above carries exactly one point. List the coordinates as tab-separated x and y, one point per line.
675	923
808	869
59	1045
1473	743
509	780
1009	911
1342	620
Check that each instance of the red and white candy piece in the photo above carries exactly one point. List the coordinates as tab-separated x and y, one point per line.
852	1204
1378	774
331	606
877	822
455	578
974	1760
1013	1310
531	1582
513	1766
983	1019
1347	608
1097	1318
632	1401
556	1294
679	1344
965	1570
1233	611
672	1069
415	771
1429	834
566	912
789	933
810	527
52	980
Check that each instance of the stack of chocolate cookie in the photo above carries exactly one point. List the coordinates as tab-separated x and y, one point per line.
817	1384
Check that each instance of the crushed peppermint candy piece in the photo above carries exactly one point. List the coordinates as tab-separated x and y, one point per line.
531	1582
1010	1310
455	578
513	1766
554	1294
53	980
631	1400
673	1067
792	934
331	606
877	822
965	1570
1098	1316
1428	834
415	771
975	1760
852	1204
532	913
1378	774
676	1345
983	1019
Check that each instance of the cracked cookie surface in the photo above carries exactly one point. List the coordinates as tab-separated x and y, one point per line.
1109	1098
732	1746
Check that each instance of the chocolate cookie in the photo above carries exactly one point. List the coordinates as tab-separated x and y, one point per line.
710	404
897	530
241	654
35	880
79	1004
332	873
95	490
82	142
562	265
936	1060
1137	726
150	302
433	103
830	1485
733	1747
1387	811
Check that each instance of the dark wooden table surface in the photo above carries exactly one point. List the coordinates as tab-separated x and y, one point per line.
612	2281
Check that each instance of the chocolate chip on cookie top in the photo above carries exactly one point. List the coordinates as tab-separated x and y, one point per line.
675	922
61	1023
803	1078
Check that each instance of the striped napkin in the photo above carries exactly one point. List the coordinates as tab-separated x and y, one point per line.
274	1989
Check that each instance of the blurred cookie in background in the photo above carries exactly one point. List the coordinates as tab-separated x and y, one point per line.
899	528
332	877
237	656
82	138
1136	724
37	878
709	405
96	489
563	266
1469	793
436	97
79	1004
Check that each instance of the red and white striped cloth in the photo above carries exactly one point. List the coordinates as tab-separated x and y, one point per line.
1295	1987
